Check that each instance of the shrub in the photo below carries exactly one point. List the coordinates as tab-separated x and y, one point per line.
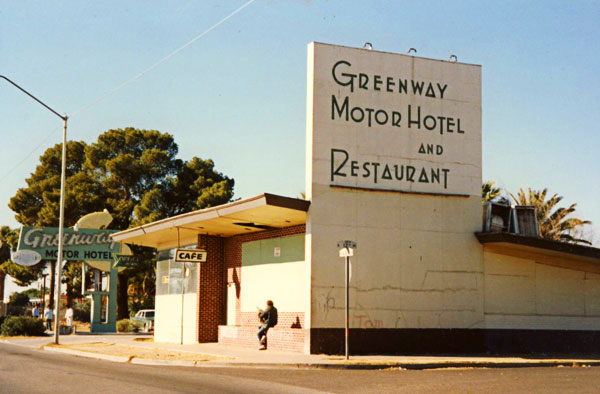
22	325
15	310
18	299
81	312
128	325
2	318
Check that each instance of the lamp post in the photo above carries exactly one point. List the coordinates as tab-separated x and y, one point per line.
61	220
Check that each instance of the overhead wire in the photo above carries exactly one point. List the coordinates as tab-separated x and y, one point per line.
164	59
130	81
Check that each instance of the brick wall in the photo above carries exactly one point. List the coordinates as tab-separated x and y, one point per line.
289	333
211	289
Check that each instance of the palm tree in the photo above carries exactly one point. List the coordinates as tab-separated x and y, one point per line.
552	220
490	193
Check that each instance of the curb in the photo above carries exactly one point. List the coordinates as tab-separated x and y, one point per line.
99	356
174	363
406	366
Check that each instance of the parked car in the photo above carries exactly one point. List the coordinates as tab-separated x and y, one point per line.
146	318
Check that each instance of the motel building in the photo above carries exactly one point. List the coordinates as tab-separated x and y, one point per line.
393	163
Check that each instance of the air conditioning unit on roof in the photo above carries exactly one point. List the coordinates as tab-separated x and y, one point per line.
525	221
496	217
518	219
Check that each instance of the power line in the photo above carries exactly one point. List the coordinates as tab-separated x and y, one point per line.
130	81
26	157
164	59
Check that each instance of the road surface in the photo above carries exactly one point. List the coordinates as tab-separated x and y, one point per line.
27	370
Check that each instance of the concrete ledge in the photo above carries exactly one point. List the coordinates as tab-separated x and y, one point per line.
99	356
279	338
172	363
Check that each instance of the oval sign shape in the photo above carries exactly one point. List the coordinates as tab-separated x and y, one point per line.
26	258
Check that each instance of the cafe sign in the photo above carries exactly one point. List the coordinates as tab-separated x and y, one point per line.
83	244
190	255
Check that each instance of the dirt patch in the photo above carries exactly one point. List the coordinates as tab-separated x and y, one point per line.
143	339
146	353
81	327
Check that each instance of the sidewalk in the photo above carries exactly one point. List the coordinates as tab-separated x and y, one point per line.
139	349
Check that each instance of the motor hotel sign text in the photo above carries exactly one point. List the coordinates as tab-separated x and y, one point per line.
83	244
394	122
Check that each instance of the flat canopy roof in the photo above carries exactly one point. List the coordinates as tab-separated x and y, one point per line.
260	213
542	250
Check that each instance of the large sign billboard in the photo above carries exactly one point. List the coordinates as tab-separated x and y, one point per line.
394	122
83	244
394	164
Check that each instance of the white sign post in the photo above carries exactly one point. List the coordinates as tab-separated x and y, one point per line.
347	250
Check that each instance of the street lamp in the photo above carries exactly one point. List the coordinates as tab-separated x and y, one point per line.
61	220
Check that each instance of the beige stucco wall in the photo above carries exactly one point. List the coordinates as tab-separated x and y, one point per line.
168	318
283	283
528	294
418	263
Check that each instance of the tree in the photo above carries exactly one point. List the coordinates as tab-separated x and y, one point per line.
553	221
19	299
38	204
131	172
142	281
72	279
32	293
145	182
128	163
22	276
490	193
196	186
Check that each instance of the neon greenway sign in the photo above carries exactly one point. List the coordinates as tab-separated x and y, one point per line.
84	244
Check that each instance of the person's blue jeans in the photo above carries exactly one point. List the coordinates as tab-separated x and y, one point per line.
262	331
48	324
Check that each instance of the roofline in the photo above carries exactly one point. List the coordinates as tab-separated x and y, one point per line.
240	205
395	53
547	244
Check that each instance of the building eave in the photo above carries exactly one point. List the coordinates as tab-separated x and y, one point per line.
541	250
266	211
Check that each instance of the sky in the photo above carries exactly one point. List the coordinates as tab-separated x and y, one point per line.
237	93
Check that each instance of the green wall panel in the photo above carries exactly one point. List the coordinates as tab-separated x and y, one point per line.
262	252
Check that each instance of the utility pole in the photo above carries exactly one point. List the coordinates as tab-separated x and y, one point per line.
61	219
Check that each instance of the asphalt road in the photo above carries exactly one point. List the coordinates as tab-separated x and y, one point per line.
26	370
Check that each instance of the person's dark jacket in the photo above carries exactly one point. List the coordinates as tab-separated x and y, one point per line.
269	316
